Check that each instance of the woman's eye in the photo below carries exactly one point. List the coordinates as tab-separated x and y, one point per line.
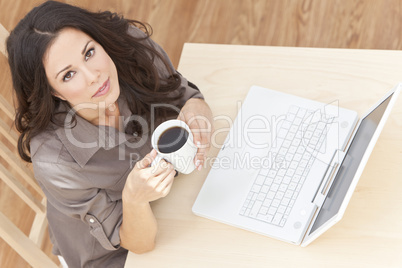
89	53
68	76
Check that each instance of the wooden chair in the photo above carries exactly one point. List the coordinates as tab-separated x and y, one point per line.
20	179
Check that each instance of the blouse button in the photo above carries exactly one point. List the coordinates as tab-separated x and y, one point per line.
91	220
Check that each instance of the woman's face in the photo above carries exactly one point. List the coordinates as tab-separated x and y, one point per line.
81	72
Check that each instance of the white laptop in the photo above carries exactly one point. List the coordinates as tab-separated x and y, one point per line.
289	165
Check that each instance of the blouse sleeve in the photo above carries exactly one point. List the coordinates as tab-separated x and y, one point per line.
71	193
190	90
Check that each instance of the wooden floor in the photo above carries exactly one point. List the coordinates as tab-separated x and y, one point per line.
362	24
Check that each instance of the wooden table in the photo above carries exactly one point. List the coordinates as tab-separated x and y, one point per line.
369	235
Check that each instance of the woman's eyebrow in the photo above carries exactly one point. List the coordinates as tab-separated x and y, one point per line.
85	47
69	66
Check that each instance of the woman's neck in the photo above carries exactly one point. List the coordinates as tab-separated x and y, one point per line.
106	116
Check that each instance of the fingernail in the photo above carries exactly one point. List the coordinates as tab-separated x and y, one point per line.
198	144
197	163
199	167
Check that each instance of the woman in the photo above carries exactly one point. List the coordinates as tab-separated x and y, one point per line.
90	89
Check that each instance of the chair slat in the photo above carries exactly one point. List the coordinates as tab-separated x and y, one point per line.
21	191
3	36
8	133
6	107
23	245
39	227
18	166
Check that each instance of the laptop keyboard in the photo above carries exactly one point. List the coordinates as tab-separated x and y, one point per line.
276	188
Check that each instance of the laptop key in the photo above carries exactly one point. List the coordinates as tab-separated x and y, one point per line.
255	209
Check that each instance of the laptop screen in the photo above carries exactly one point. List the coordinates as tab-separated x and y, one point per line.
350	165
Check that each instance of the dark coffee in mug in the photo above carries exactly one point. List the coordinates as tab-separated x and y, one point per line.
172	139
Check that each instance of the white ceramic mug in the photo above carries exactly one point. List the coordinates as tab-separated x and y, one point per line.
183	158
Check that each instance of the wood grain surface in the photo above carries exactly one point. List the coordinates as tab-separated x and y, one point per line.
364	24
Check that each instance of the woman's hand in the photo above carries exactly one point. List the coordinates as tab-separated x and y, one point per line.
198	116
145	184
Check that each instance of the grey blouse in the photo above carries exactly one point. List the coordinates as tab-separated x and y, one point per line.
83	170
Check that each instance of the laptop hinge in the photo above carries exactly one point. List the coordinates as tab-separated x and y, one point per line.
328	178
319	200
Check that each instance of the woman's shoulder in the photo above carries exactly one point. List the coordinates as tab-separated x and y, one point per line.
136	32
46	146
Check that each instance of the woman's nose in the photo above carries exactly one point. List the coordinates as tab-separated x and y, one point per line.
92	75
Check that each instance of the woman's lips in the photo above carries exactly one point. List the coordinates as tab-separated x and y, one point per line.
103	89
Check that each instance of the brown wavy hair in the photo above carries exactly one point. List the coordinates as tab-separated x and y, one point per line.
140	82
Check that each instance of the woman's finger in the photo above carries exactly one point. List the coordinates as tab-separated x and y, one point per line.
146	161
205	143
192	122
166	184
155	179
160	167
